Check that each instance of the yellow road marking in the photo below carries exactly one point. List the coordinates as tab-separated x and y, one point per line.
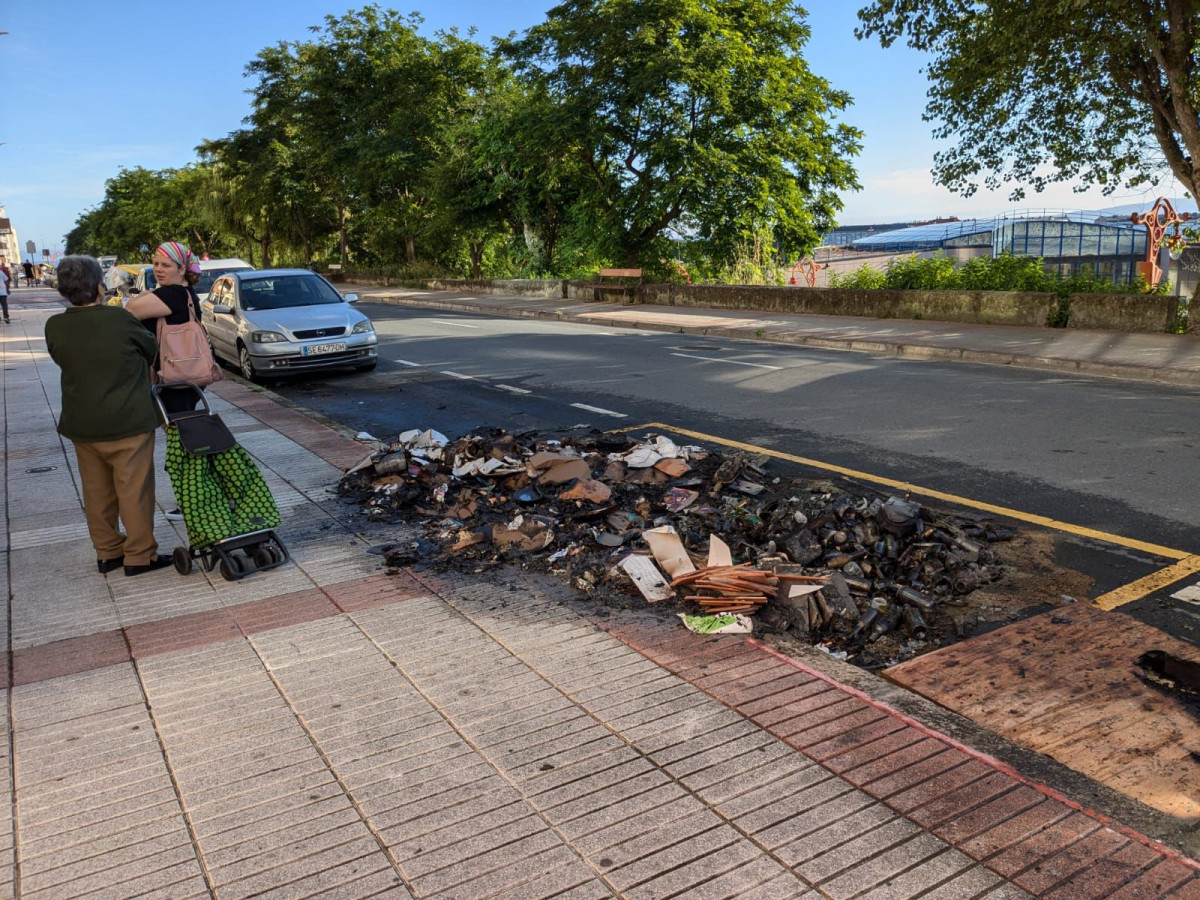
1127	594
1136	590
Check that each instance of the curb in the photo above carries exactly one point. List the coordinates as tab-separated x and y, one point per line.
1128	372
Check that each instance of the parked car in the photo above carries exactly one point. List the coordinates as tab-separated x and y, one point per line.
283	321
212	269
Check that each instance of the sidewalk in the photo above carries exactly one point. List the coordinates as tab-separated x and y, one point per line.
328	729
1165	358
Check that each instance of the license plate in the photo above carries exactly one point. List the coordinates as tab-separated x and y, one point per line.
318	349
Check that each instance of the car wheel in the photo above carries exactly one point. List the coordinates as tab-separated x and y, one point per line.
369	367
244	364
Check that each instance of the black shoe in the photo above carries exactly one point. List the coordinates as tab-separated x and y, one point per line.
159	562
109	565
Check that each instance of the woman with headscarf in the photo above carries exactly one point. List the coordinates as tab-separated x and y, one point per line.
176	270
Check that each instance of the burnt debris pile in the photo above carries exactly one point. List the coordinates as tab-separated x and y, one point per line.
865	575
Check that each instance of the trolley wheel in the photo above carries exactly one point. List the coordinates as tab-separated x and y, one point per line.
232	568
263	557
182	558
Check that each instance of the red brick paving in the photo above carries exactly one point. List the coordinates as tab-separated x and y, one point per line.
983	809
185	632
68	657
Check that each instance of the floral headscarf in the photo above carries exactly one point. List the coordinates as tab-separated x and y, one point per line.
180	255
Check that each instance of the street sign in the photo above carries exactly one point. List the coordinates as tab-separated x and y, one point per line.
45	253
30	247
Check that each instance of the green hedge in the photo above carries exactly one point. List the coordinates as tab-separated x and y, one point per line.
1002	273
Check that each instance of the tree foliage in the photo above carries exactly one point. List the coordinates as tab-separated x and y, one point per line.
612	132
1103	91
698	115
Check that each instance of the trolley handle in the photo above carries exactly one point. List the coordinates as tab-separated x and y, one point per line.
156	390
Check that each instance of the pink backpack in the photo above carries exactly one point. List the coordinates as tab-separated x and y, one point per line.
183	352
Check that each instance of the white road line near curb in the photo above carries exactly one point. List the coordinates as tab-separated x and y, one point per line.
455	324
457	375
405	362
514	390
1189	594
732	362
603	412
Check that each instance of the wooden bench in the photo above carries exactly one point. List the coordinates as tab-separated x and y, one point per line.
622	281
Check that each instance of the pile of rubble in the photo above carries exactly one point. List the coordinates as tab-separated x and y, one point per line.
655	521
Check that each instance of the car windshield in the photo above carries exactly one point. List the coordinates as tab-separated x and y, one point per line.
284	291
208	276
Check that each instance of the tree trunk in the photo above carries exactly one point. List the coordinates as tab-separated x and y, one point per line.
475	248
344	255
410	249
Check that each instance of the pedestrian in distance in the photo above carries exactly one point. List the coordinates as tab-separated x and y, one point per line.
5	281
28	267
108	413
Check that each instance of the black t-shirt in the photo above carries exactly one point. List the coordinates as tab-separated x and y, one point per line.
175	296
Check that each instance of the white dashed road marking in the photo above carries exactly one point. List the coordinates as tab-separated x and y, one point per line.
405	362
457	375
597	409
514	390
732	362
455	324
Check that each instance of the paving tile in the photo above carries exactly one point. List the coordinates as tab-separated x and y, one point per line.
894	865
847	844
1155	882
1101	878
1043	843
1058	867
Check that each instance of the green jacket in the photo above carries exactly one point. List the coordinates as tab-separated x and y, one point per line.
105	355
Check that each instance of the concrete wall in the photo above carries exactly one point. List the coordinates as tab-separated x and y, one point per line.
1112	312
978	307
545	288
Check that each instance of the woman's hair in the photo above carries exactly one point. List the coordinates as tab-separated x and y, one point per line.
79	279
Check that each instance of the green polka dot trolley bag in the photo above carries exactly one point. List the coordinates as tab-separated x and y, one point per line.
227	507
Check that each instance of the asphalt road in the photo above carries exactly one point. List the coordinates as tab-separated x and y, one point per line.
1114	456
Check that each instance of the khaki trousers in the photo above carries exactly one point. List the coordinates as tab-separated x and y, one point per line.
118	482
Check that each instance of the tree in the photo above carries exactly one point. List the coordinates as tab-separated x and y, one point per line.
1103	91
374	95
140	206
700	114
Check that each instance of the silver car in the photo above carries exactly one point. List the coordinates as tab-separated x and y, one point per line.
286	321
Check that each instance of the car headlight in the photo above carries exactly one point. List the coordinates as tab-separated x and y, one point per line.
266	337
363	327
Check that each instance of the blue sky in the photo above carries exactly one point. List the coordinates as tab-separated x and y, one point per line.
95	86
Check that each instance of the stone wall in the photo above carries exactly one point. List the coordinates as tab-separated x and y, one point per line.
1112	312
545	288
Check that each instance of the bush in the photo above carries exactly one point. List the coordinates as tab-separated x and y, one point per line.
934	273
1003	273
863	278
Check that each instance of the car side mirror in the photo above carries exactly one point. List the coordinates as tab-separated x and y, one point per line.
352	298
222	309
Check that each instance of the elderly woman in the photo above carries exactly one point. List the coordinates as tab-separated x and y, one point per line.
109	414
